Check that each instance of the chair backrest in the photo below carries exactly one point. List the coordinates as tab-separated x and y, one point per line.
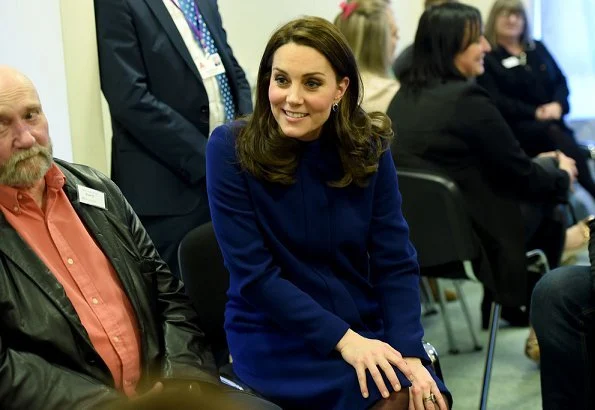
440	227
206	281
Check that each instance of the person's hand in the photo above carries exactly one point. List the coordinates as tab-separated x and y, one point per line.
549	111
370	354
569	165
424	393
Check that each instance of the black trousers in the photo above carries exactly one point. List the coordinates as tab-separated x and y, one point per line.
168	231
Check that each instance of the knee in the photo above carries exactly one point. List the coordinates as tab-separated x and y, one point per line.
556	291
396	401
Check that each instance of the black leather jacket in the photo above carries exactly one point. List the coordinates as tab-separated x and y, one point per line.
47	360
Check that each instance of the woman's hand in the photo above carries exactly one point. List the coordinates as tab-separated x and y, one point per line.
549	111
569	165
424	388
370	354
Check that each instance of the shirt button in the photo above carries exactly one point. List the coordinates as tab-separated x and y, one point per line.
15	209
127	382
116	339
70	261
95	301
20	196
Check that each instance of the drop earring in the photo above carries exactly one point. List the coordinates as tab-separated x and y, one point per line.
335	107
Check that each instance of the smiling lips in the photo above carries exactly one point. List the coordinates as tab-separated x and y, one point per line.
296	115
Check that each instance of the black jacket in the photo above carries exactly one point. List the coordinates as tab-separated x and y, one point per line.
158	103
519	90
453	127
47	360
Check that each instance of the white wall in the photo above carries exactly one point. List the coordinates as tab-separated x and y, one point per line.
31	41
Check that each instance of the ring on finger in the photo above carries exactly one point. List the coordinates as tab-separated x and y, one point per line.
431	398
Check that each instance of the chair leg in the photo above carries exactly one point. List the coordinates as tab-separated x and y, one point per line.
429	304
452	348
465	308
487	374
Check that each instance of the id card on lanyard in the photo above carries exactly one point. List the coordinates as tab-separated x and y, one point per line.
212	64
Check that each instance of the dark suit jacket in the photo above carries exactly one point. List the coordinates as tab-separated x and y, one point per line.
518	91
454	127
47	360
158	103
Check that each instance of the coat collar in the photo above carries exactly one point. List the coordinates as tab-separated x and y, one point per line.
162	15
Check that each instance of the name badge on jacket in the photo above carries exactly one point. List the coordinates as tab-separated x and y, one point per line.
511	62
211	66
91	196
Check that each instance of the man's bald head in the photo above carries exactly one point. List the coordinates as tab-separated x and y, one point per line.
25	147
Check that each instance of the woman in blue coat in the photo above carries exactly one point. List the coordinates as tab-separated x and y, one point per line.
323	309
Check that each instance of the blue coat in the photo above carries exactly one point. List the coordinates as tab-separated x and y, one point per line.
307	262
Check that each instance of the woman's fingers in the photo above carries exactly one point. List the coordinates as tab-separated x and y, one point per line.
372	366
360	370
390	374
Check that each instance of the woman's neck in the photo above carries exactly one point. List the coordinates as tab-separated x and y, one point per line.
511	44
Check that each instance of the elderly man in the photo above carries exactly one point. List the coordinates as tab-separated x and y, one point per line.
89	313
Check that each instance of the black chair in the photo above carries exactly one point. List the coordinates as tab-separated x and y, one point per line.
441	231
207	280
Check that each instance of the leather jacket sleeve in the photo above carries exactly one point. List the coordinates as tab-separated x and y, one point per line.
27	381
186	354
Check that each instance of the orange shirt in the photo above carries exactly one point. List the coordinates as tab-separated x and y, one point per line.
62	242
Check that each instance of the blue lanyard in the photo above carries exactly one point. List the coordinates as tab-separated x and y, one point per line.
193	24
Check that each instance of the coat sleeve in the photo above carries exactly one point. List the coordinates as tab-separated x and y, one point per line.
560	86
253	272
393	265
490	138
186	354
491	81
153	124
27	381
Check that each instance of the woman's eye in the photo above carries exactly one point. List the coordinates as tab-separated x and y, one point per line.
280	80
312	84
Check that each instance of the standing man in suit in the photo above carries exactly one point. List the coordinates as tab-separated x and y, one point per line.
169	77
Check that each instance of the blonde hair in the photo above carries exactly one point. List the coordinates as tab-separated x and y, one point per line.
508	6
367	32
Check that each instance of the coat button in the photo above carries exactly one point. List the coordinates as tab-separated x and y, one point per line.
204	113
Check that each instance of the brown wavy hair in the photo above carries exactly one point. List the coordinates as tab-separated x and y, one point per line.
360	138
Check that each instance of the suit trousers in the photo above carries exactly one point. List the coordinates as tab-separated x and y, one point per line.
563	315
168	231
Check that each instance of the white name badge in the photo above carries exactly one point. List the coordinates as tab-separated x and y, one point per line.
511	62
91	196
211	66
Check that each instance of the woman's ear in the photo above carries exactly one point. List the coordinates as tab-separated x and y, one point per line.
341	88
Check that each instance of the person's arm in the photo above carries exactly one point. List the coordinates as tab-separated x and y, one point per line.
394	271
561	92
186	354
481	125
27	381
493	81
155	125
253	271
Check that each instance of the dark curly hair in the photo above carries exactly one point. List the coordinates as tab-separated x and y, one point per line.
266	153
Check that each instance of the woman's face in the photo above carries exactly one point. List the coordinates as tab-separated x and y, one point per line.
509	24
469	62
302	90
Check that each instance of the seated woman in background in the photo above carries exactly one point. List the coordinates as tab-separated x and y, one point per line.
448	124
529	88
323	306
370	29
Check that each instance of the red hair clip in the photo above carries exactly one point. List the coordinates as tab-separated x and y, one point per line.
348	8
